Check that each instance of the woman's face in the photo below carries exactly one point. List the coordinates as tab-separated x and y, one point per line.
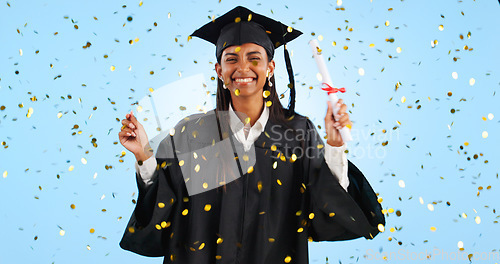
245	68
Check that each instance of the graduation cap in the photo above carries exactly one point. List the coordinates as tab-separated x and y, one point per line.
240	26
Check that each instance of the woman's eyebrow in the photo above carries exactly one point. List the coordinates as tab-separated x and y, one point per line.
253	52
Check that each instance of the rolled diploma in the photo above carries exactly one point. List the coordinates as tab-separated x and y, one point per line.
345	132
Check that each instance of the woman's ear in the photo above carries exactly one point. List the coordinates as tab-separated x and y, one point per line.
270	68
218	70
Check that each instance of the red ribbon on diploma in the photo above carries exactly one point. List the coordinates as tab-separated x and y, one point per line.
330	89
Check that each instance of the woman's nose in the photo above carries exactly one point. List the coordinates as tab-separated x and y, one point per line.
243	66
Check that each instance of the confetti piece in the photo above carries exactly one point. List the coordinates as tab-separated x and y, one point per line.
403	99
398	49
185	212
207	207
20	52
62	232
430	207
71	168
485	134
288	258
5	174
30	112
112	68
237	49
361	71
381	228
478	220
387	23
72	206
472	81
88	247
433	229
441	27
402	184
334	43
339	2
320	37
460	244
490	116
454	75
92	230
84	161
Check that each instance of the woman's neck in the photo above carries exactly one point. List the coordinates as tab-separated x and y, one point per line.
248	107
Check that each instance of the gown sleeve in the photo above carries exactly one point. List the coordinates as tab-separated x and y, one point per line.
156	206
338	215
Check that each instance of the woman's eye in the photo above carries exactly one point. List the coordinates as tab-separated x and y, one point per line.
231	59
255	58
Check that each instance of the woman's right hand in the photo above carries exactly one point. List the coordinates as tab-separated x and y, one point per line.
134	138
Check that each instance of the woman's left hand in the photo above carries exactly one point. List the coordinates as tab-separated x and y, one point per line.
333	125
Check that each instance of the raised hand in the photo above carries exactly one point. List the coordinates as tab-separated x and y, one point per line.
333	126
134	138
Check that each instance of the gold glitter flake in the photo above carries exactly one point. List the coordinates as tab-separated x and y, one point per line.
288	259
266	93
250	169
219	240
433	228
237	20
381	228
30	112
205	185
5	174
161	205
472	81
237	92
207	207
269	103
181	162
259	186
185	212
441	27
62	232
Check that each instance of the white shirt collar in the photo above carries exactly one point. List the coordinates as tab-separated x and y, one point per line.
254	131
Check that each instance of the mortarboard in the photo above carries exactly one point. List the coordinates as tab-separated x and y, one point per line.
240	26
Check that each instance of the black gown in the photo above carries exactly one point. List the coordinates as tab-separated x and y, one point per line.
267	215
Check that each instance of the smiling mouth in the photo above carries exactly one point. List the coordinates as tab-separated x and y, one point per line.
243	80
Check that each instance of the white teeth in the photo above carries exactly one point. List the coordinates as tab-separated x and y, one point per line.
243	80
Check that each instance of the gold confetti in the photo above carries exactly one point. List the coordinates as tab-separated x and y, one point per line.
300	230
131	229
237	92
266	93
289	29
484	134
185	212
140	3
62	232
259	186
250	169
401	184
460	244
88	247
220	240
207	207
237	20
72	206
490	116
392	230
381	228
334	43
92	230
5	174
380	200
441	27
112	68
361	71
454	75
430	207
249	17
197	168
275	165
84	161
205	185
278	181
20	52
293	158
71	168
288	258
320	37
271	240
269	103
387	23
403	99
398	49
30	112
478	220
311	215
433	229
339	2
346	48
237	49
472	81
161	205
158	226
181	163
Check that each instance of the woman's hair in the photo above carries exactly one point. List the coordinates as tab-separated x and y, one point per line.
276	111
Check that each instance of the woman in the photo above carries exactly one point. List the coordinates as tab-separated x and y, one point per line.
247	182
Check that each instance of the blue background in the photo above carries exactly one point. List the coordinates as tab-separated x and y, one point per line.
424	144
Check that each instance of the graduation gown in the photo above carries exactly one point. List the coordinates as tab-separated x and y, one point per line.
266	215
